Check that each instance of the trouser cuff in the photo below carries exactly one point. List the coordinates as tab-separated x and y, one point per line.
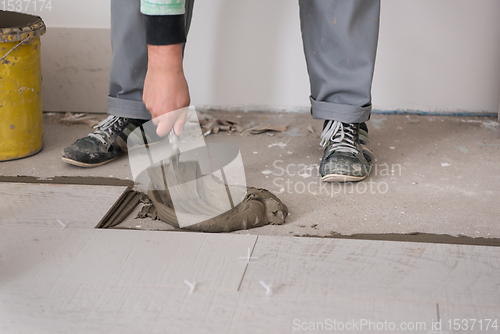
340	112
127	108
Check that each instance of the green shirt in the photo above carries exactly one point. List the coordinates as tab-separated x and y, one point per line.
162	7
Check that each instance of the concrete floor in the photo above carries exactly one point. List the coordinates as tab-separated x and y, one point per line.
433	174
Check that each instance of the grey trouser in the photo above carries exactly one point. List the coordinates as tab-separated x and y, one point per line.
129	58
340	42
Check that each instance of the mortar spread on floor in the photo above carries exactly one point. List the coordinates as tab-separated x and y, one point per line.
258	208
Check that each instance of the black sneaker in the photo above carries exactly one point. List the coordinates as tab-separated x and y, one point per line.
105	144
347	156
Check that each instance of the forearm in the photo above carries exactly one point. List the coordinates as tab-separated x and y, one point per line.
166	92
165	58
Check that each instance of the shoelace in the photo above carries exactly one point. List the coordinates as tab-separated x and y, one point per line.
106	128
342	137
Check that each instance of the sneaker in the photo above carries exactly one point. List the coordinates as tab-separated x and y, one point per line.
347	156
105	144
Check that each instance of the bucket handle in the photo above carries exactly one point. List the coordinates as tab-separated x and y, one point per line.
5	55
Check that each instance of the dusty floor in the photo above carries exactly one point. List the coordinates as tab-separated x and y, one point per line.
438	175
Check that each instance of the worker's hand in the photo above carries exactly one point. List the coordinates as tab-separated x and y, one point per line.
166	92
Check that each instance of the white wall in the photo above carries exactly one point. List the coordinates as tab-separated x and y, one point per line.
434	55
66	13
439	55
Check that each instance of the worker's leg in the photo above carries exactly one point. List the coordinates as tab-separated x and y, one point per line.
129	59
128	71
340	41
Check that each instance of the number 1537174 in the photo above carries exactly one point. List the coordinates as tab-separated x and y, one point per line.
26	5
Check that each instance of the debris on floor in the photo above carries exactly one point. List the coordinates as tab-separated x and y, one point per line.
81	118
211	125
268	128
148	211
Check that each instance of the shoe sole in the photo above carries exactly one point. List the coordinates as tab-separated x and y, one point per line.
83	164
342	178
86	165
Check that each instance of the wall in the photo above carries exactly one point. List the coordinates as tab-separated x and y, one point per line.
64	13
434	55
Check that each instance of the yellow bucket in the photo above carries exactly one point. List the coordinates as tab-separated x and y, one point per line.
20	85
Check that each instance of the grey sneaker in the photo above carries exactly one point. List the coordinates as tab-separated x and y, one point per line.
347	156
105	144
